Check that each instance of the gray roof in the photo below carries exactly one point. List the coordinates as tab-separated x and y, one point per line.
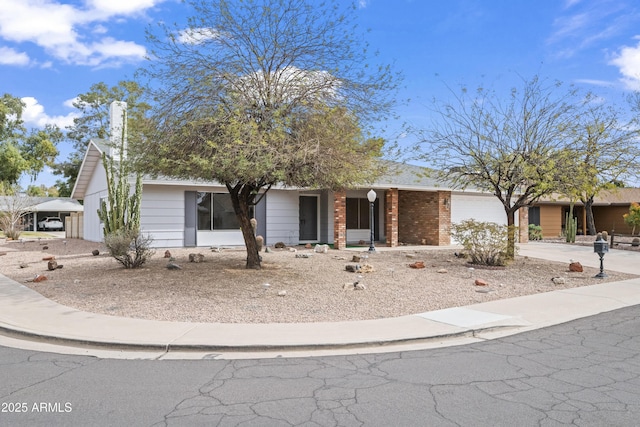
45	204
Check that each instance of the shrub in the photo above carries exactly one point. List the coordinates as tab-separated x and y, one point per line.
535	232
486	243
129	248
11	229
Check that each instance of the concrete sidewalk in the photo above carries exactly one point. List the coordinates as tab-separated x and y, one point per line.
25	314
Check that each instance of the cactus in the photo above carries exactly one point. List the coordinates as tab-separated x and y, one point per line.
121	211
571	226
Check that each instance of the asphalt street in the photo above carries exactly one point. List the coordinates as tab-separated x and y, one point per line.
582	373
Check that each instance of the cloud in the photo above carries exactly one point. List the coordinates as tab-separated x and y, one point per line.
73	34
197	35
35	116
10	56
628	63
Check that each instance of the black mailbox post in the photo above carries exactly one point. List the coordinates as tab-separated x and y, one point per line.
601	247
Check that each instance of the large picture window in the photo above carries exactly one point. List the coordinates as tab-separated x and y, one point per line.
215	212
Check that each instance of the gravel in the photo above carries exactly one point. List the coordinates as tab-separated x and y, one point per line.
287	289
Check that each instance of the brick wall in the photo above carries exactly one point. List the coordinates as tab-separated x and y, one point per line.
391	216
340	220
424	217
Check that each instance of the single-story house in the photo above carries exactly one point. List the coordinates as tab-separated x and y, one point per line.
608	209
409	209
39	208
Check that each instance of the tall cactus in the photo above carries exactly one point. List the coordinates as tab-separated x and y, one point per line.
121	211
571	225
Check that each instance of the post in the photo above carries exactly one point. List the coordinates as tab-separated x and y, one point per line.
371	196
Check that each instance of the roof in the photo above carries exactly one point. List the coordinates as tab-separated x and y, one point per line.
92	157
46	204
616	196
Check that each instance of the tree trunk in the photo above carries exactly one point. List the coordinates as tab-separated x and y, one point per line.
591	224
511	234
242	197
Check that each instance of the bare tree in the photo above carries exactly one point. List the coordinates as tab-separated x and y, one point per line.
516	148
258	92
13	209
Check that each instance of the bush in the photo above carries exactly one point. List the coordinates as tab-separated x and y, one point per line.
486	243
11	229
129	248
535	232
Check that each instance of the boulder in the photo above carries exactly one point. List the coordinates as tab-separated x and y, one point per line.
321	249
417	264
355	258
279	245
576	267
40	278
52	265
308	246
95	252
480	282
353	268
167	254
196	258
558	280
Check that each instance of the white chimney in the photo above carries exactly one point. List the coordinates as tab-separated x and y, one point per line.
118	122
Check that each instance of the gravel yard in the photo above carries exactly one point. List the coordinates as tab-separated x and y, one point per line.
313	289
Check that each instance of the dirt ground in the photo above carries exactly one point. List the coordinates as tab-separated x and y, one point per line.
300	286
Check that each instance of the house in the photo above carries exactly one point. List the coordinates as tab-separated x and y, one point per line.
409	209
608	208
39	208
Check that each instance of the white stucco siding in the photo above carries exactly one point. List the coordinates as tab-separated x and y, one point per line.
162	215
283	217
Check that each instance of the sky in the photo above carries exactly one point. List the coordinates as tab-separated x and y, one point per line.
53	50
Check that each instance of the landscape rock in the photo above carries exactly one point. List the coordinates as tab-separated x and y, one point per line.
356	258
280	245
292	249
95	252
44	248
353	268
167	254
2	253
321	249
359	287
303	255
52	265
480	282
576	267
442	271
196	258
48	258
40	278
24	265
172	266
282	293
308	246
367	268
267	250
417	264
558	280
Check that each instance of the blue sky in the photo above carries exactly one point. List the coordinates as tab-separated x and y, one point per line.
53	50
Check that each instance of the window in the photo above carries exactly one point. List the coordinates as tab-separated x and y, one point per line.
215	212
358	214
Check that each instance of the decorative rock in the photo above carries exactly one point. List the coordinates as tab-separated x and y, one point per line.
321	249
172	266
48	258
196	258
95	252
282	293
558	280
308	246
167	254
410	256
260	243
367	268
303	255
39	278
44	248
355	258
353	268
280	245
480	282
417	264
52	265
267	250
292	249
576	267
442	271
359	287
24	265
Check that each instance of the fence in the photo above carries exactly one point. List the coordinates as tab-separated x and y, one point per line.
74	226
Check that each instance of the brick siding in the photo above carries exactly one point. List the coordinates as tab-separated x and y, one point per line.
340	220
424	217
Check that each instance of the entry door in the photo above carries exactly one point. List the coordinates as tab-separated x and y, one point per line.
308	218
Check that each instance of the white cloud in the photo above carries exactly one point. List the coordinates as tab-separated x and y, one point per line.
197	35
73	34
628	63
35	116
10	56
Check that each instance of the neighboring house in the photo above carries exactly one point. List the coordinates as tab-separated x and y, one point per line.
177	213
39	208
608	208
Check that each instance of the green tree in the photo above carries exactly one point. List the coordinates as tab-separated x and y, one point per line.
21	150
605	151
260	92
632	218
514	148
42	191
93	123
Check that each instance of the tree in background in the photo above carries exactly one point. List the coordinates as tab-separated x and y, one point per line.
632	218
606	152
23	151
13	208
93	123
259	92
514	148
42	191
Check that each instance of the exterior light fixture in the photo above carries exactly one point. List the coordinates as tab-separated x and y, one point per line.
371	195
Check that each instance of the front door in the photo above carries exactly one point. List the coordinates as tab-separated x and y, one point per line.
308	218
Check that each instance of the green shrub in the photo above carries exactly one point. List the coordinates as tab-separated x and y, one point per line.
129	248
535	232
486	243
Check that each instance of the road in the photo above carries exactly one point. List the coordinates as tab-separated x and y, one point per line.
583	373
